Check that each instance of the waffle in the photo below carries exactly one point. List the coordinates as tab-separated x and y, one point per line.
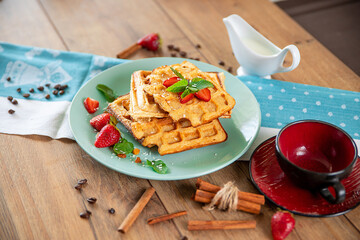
196	111
169	136
142	105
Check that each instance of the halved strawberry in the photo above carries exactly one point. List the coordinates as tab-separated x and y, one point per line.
91	105
203	94
282	223
151	42
187	98
99	121
108	136
170	81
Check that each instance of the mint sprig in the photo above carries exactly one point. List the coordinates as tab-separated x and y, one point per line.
123	147
158	166
187	87
108	92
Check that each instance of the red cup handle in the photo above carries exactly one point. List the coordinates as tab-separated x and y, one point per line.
339	193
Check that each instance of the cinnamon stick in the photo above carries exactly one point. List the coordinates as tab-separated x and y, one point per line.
137	209
250	197
194	225
128	51
165	217
206	197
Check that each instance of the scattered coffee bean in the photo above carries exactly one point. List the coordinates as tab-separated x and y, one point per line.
184	238
11	111
85	214
221	63
198	46
91	200
229	69
26	95
78	187
111	211
173	54
18	90
15	102
31	90
55	92
57	86
40	88
47	96
197	59
8	79
88	212
61	92
62	87
47	85
10	98
170	46
82	181
177	49
183	54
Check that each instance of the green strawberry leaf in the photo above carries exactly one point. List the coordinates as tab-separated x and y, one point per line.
123	147
108	92
180	86
199	83
158	166
177	73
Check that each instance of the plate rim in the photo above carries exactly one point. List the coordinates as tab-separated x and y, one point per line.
165	177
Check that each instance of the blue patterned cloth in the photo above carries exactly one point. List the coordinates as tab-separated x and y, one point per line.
280	102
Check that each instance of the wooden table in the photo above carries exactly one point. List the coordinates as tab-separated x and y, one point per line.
38	174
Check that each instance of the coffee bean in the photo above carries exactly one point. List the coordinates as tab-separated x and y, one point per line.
197	59
18	90
26	95
177	49
82	181
8	79
10	98
57	86
85	214
221	63
183	54
78	187
229	69
15	102
91	200
55	92
170	46
88	212
184	238
61	92
173	55
198	45
11	111
111	211
62	87
31	90
47	85
47	96
40	88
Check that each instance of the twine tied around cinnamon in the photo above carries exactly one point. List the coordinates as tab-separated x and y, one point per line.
227	198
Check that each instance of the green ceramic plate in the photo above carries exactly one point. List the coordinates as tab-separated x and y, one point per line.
242	127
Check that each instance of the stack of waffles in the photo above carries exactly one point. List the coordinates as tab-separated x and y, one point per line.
155	117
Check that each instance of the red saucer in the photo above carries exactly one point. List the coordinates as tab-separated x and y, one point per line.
270	180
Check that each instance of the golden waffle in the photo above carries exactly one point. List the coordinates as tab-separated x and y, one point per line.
142	104
196	111
169	136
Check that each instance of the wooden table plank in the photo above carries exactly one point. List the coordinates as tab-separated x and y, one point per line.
40	165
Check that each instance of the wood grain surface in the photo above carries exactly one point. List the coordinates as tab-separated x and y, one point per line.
38	174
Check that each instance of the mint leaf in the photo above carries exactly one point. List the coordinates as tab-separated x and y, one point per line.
185	93
177	73
199	83
158	166
123	147
180	86
108	92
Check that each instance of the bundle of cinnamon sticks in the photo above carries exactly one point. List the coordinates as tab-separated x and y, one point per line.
247	202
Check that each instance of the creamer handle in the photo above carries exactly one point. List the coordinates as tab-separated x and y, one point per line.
295	58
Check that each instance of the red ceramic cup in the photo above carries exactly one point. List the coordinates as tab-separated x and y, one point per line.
316	155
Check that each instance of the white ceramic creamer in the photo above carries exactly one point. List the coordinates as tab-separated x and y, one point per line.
256	54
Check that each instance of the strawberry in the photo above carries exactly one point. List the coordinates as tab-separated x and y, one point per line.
108	136
203	94
99	121
282	223
151	42
187	98
91	105
170	81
